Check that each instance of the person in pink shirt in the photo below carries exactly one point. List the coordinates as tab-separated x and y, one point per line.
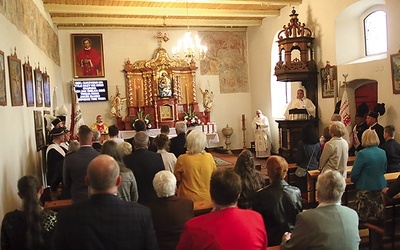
227	226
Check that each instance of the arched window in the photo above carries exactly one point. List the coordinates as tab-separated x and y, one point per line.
361	32
280	91
375	33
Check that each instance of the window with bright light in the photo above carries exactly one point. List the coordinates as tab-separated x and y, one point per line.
375	33
280	91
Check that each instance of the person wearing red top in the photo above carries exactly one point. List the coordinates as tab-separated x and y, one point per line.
227	227
89	59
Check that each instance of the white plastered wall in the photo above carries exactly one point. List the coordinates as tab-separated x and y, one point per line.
18	155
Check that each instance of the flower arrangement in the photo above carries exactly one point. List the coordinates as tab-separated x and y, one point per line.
145	118
191	118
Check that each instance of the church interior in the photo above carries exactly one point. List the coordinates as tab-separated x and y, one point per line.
247	67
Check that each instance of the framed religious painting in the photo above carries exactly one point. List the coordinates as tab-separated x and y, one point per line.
38	118
3	88
38	87
46	89
395	63
28	78
328	81
87	55
15	74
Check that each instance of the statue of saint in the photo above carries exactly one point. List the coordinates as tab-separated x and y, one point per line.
164	85
207	101
116	105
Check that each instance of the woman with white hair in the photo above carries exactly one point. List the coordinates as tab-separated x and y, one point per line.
169	213
193	170
368	174
335	153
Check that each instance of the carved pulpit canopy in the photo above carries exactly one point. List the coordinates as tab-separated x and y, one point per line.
296	55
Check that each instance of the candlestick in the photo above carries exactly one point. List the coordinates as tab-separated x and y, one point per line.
187	95
138	96
243	121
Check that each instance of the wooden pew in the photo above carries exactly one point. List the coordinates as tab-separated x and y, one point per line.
202	207
389	227
350	187
57	204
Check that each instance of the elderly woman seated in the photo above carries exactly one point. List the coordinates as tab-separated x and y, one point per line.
279	203
330	225
169	213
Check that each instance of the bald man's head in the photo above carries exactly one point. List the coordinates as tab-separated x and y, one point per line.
103	174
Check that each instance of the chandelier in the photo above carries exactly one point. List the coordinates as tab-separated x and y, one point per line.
189	48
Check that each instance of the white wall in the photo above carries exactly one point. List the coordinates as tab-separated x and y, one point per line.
18	155
120	44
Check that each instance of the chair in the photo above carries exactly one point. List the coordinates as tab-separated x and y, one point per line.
389	227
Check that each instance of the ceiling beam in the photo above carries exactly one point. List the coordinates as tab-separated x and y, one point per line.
155	22
242	2
154	11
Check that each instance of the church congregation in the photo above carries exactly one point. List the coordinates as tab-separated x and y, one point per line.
306	154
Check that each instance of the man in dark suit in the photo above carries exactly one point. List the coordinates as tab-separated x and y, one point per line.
178	143
392	149
76	163
105	221
144	165
169	213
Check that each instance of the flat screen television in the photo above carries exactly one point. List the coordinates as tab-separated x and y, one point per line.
91	90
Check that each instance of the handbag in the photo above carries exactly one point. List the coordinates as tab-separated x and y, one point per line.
301	172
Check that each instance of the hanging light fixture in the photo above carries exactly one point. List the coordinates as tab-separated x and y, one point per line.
188	48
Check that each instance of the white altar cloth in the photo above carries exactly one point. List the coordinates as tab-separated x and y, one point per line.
212	136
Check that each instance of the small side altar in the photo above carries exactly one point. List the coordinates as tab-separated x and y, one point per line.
163	88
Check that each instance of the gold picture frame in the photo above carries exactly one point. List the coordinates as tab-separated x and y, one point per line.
46	89
38	86
328	81
87	55
15	74
395	65
3	87
28	79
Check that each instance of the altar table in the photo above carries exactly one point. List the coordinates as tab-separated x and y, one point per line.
212	135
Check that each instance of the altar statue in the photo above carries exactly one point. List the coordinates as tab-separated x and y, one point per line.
117	104
207	101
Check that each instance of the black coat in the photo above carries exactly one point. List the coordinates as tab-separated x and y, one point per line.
279	204
144	165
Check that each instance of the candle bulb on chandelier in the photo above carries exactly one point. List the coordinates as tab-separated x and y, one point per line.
138	96
187	95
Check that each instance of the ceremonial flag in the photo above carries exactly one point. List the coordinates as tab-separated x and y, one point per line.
76	115
345	109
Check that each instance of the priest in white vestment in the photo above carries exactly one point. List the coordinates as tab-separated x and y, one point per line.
262	134
301	102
